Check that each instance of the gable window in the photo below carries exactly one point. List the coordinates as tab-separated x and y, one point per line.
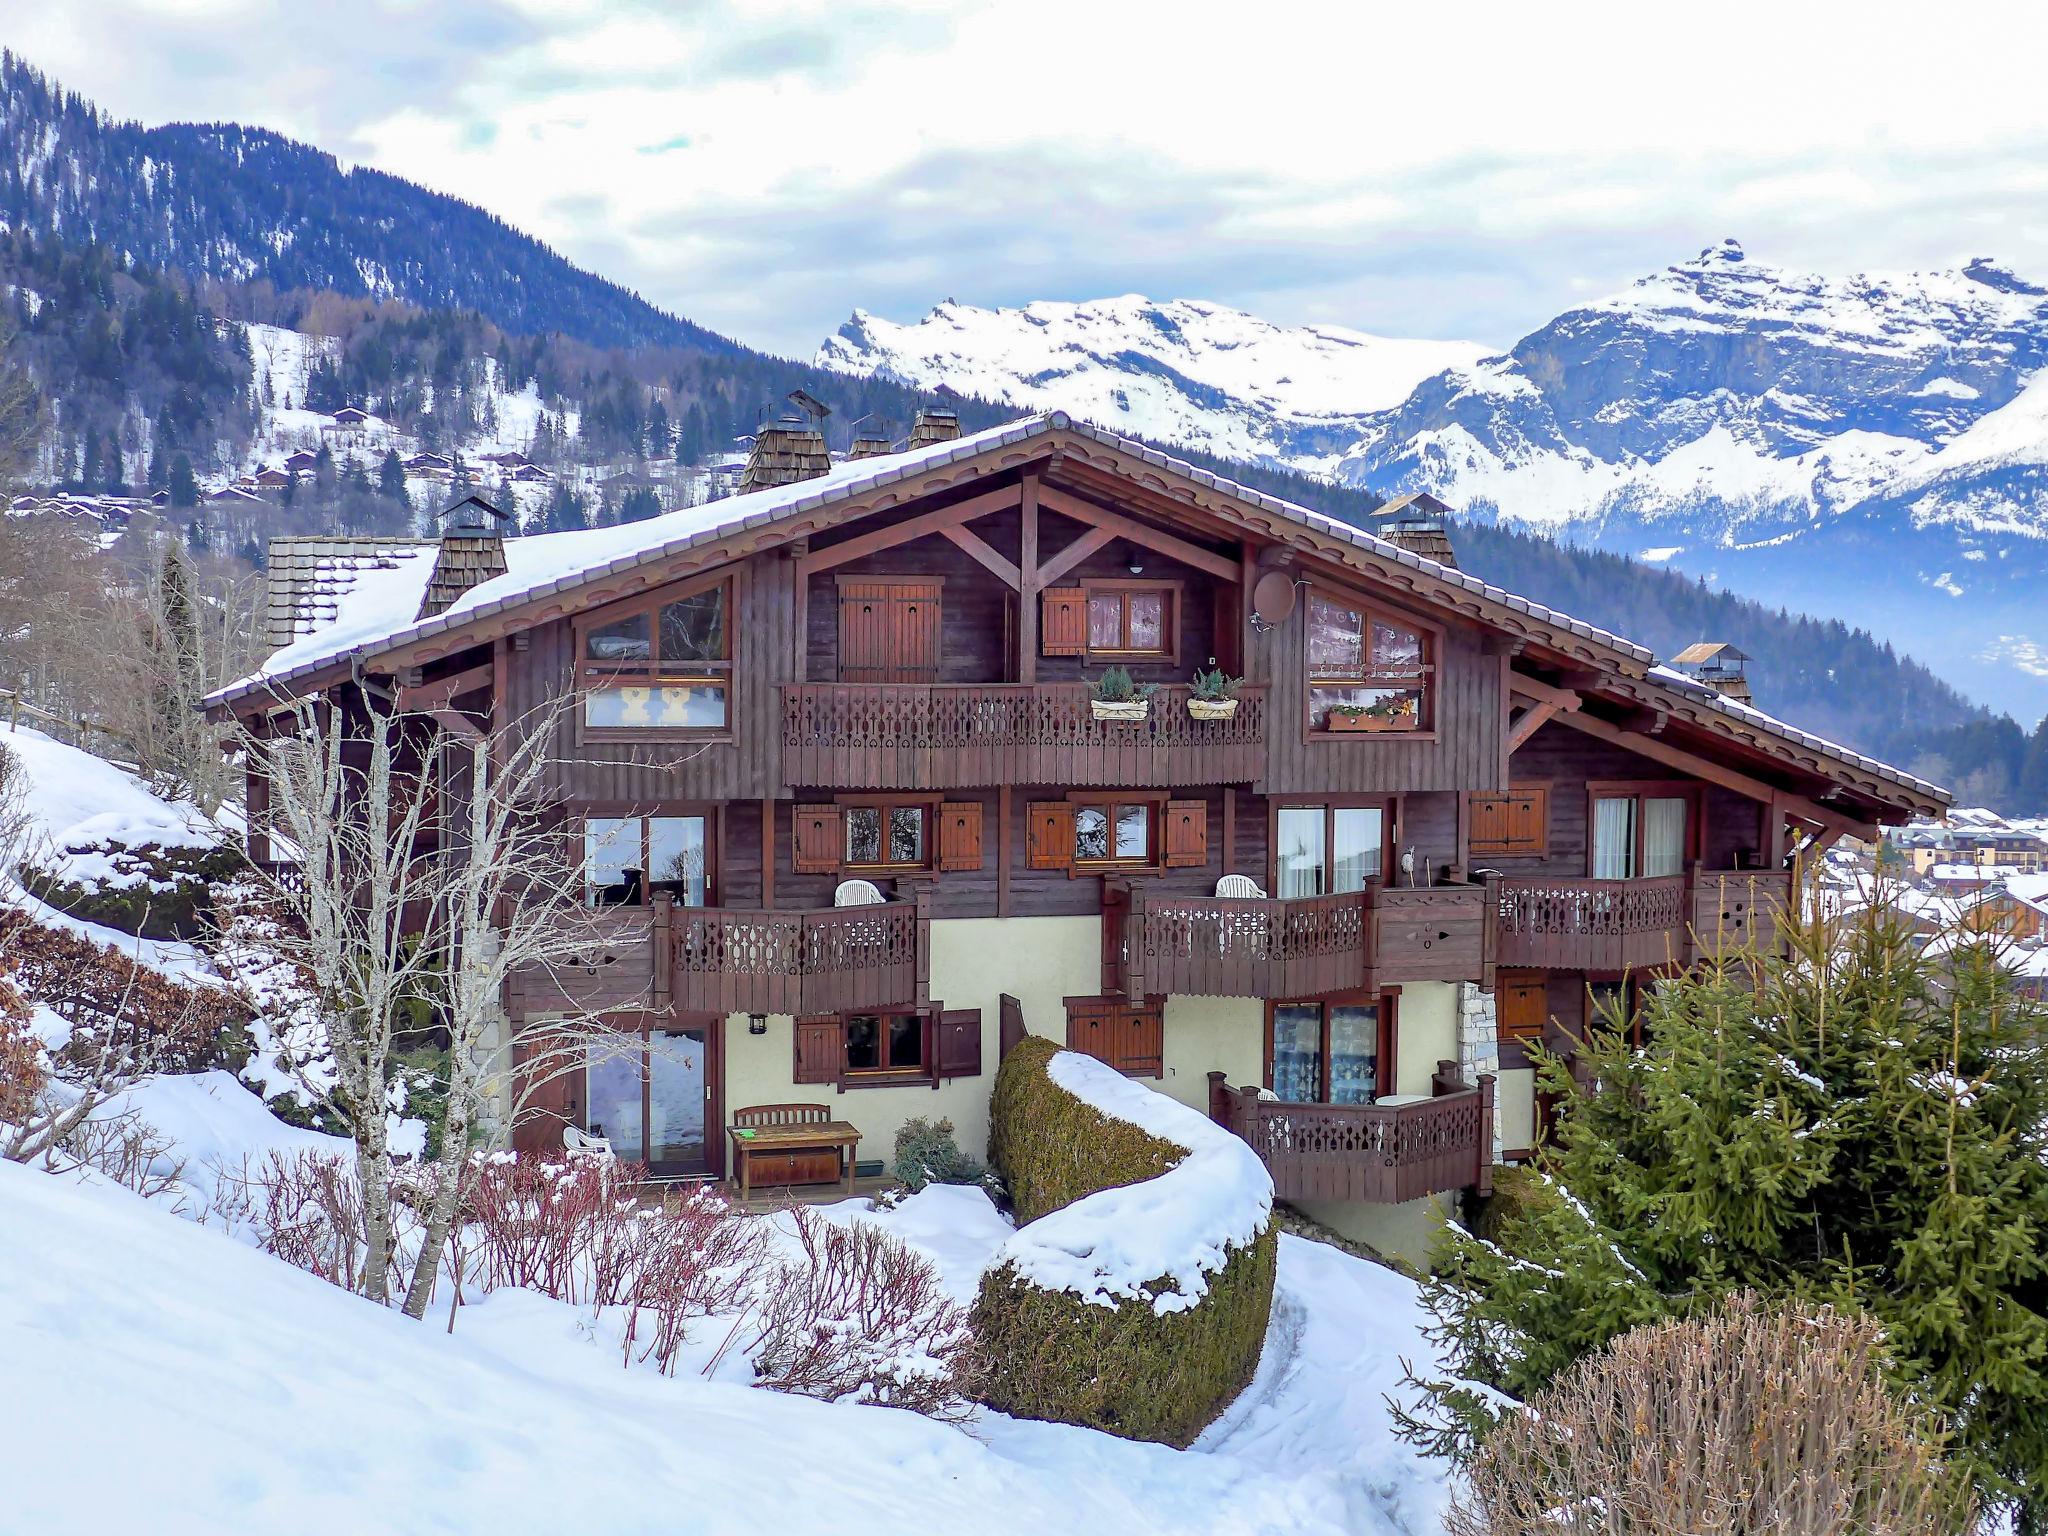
1639	833
1131	619
627	859
1113	832
1329	1052
665	667
1322	850
1366	670
886	836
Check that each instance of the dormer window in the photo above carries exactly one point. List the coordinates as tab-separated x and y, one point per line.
662	667
1367	670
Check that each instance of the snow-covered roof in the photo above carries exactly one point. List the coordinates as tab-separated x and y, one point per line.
546	564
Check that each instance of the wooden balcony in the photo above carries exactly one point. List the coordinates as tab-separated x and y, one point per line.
1273	947
738	960
1620	925
955	736
1382	1154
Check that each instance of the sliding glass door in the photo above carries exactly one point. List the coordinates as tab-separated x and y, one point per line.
647	1094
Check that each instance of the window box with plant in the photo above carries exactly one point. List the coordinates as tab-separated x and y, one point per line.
1214	693
1114	696
1393	712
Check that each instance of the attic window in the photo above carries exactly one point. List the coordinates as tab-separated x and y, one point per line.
661	667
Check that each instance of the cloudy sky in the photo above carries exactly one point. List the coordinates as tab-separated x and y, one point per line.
1447	170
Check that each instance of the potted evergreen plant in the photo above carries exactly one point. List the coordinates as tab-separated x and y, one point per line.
1214	695
1114	696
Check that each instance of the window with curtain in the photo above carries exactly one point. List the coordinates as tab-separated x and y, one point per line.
1663	837
1637	835
1321	850
1326	1053
1614	837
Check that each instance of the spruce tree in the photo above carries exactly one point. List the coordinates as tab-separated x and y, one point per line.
183	487
1856	1121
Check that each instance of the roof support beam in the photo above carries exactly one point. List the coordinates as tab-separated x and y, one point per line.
911	528
1529	688
1714	773
975	545
1222	567
1532	720
1073	555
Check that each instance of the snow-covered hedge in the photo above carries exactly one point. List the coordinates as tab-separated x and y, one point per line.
1135	1293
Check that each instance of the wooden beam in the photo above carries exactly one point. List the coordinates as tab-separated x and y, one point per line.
1073	555
1027	591
1002	850
975	545
1220	566
426	698
1659	751
910	529
1532	721
767	853
1530	688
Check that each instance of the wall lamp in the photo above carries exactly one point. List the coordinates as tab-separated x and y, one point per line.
757	1023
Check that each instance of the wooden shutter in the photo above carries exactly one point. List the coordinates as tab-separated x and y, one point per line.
960	835
1187	833
1063	622
1010	1033
1513	825
1049	835
1127	1036
820	1048
817	840
888	631
959	1044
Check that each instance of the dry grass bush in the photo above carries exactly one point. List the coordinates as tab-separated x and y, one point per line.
858	1315
128	1150
305	1208
1746	1420
22	1078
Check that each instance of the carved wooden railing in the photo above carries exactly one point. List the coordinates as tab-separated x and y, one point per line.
954	735
1380	1153
733	960
1617	925
1220	946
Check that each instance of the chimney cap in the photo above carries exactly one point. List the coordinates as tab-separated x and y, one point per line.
473	514
1711	656
809	404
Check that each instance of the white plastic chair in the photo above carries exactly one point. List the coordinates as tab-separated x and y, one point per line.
858	893
1239	888
582	1141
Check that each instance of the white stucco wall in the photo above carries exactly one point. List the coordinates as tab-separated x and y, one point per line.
1427	1016
1404	1232
1515	1107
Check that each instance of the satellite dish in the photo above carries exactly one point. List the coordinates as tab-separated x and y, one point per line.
1273	597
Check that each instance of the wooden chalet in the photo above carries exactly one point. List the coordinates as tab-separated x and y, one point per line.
1443	821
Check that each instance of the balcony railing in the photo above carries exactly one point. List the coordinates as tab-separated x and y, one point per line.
1274	947
1619	925
1383	1154
960	735
729	960
738	960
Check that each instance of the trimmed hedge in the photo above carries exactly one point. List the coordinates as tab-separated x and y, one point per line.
1126	1369
170	895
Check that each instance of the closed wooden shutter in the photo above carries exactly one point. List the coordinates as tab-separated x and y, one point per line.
1048	835
1010	1027
888	631
1513	825
960	835
1187	833
1127	1036
1063	622
817	842
820	1049
958	1052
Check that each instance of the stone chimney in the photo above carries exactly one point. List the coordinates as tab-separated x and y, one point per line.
870	444
472	552
934	426
1719	666
1420	524
785	452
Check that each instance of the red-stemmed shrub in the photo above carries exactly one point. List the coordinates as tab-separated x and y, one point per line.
695	1256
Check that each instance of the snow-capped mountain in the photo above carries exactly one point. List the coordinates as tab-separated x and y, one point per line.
1184	371
1872	448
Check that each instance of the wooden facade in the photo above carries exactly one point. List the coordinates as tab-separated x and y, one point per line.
899	669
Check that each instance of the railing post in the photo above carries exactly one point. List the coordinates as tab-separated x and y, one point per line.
1219	1099
663	939
923	901
1134	978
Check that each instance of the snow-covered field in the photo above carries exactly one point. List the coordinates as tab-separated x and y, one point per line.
184	1382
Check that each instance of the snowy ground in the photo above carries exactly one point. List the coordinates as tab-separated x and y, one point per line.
239	1394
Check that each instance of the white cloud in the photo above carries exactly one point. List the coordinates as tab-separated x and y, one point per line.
1416	171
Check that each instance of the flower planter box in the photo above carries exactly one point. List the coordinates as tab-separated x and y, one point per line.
1133	709
1405	721
1212	709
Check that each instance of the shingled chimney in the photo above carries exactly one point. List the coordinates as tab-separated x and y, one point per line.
934	425
1719	666
472	552
1419	523
869	443
785	452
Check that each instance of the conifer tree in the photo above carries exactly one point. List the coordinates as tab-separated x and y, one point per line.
183	487
1860	1123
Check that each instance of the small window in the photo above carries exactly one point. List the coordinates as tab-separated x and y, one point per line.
884	1042
1326	1053
627	859
1131	619
1112	833
664	669
1365	671
885	836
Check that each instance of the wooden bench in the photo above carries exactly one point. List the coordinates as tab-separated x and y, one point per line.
781	1144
